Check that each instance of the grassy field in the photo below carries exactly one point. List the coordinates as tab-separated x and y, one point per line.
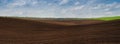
101	18
108	18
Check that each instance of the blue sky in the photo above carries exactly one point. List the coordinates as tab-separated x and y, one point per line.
60	8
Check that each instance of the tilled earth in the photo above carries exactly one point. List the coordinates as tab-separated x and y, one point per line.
20	31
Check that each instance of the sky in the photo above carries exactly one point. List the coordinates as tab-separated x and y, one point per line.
60	8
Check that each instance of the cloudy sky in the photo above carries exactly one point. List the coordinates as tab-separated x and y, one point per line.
60	8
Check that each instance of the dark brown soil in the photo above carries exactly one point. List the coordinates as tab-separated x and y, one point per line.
27	31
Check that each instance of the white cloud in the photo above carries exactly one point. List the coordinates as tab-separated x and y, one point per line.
63	2
77	3
77	11
78	7
22	3
91	10
18	3
34	3
11	13
109	13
